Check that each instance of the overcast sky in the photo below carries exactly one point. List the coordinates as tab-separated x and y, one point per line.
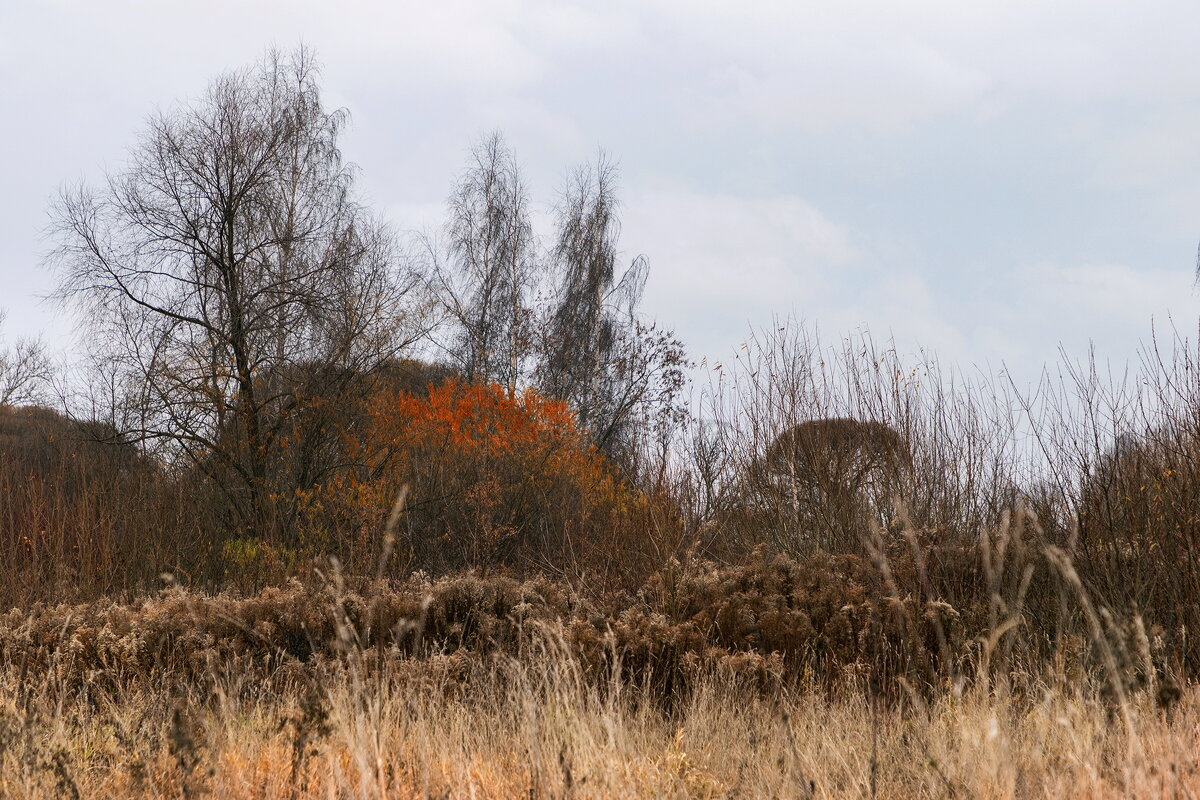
983	179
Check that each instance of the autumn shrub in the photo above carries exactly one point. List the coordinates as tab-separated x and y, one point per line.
1139	520
311	417
492	480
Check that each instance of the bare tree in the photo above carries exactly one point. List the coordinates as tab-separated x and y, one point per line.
621	375
228	274
24	371
493	267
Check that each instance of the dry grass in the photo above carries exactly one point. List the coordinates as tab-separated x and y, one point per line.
503	689
456	726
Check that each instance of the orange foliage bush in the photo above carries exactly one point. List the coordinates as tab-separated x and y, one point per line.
493	480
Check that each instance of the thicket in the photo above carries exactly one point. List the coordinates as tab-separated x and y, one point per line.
772	622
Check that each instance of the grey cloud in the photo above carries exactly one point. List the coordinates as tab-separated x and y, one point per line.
895	165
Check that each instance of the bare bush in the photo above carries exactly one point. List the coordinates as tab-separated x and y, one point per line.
83	513
1121	465
864	431
824	468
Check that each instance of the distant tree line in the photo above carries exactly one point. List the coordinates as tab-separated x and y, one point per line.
238	298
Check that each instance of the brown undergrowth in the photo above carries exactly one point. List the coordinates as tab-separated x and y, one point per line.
770	679
526	716
825	623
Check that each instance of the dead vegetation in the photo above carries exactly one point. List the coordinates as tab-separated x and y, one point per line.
494	688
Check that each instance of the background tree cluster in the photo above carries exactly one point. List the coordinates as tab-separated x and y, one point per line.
244	311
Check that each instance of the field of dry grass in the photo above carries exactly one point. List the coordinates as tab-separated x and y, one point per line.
493	688
454	726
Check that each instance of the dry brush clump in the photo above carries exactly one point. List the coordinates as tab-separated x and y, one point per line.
532	721
831	623
184	636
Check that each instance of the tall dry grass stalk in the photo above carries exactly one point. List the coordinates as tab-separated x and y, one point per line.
457	726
